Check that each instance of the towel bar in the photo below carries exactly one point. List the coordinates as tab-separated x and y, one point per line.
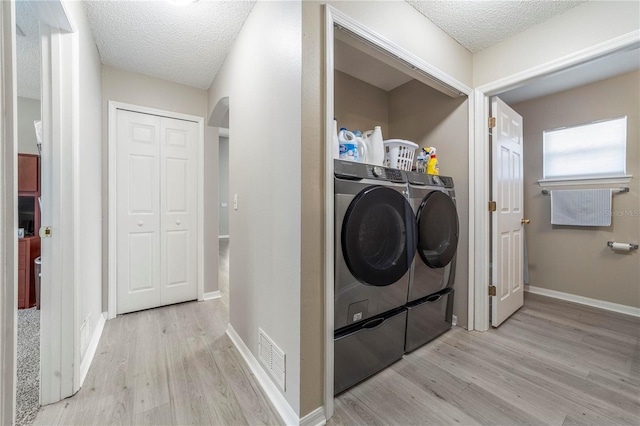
615	191
632	246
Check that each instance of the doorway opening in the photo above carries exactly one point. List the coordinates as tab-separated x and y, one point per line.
349	43
220	119
29	135
571	74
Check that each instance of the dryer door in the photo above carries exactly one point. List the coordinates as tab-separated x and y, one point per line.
437	229
378	236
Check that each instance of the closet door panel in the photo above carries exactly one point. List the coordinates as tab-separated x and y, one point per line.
138	211
179	210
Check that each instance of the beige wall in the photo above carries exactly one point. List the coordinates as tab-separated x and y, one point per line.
312	276
359	105
576	260
28	111
430	118
137	89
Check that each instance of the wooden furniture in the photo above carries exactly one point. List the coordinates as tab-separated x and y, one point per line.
28	193
28	251
29	219
28	173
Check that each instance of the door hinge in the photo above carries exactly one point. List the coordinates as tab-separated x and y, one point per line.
492	206
492	122
492	290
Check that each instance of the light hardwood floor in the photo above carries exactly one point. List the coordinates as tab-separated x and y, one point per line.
552	363
171	365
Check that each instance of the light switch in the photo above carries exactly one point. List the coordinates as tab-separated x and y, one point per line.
235	201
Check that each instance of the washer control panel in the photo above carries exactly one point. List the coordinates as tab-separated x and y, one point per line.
352	170
379	172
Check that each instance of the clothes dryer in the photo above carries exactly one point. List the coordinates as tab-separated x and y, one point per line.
430	299
433	200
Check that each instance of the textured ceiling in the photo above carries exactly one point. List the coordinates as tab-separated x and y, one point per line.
477	24
27	51
181	44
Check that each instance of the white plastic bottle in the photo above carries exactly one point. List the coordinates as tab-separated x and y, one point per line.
348	145
375	146
336	143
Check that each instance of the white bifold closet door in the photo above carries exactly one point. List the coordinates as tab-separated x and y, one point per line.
156	211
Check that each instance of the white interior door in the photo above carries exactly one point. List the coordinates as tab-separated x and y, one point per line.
156	211
178	241
507	227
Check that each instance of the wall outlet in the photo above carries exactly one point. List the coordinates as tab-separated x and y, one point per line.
454	320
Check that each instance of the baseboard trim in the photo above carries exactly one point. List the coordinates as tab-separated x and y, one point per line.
314	418
220	237
212	295
277	399
93	347
608	306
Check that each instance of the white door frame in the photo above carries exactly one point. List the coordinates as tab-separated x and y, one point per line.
480	162
334	16
60	366
8	213
112	255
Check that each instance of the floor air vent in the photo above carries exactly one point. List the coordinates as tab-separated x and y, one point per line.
272	358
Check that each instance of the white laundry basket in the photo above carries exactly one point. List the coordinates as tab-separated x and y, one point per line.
399	153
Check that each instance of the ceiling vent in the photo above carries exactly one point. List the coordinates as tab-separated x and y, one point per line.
272	358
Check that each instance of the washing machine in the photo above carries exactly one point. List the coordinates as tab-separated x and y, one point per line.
375	243
430	298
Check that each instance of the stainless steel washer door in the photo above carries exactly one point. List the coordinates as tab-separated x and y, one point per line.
437	230
378	236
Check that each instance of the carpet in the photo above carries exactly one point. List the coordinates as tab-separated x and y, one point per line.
28	384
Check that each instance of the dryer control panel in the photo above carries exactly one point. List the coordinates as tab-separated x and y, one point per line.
429	180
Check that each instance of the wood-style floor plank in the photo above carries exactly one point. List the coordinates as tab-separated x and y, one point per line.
168	366
552	363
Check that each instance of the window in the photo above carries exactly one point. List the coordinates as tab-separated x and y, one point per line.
593	150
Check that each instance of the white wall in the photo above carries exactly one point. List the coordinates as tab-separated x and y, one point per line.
28	111
262	78
137	89
89	252
574	30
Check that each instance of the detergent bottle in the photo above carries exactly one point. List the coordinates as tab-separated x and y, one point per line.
351	147
421	162
432	166
363	152
375	146
336	142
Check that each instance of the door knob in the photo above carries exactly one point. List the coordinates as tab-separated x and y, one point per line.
140	223
525	221
178	222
